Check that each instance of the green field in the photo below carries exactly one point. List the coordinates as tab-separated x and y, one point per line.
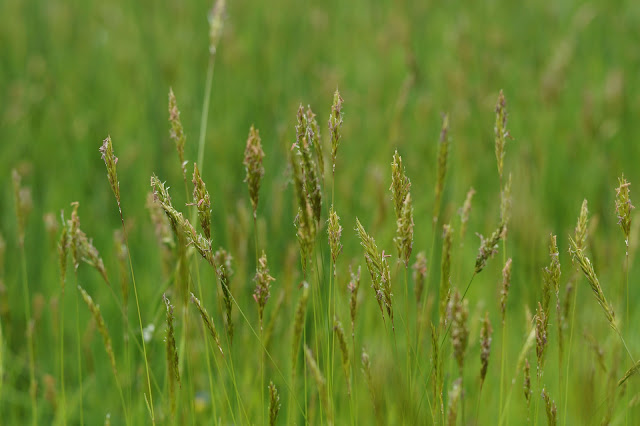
74	72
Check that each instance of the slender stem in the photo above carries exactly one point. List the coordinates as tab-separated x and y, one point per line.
502	362
79	350
205	110
62	387
30	330
566	389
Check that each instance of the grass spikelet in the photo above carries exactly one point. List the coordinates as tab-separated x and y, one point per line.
459	329
313	132
578	256
419	275
501	131
274	404
304	221
82	248
102	328
216	25
321	383
344	351
445	271
110	160
631	372
253	155
263	285
335	125
203	202
404	232
354	286
173	371
23	203
223	260
177	133
335	233
443	152
552	412
504	290
400	184
378	268
541	337
454	399
485	347
624	207
552	275
308	164
464	213
488	248
298	325
582	226
207	321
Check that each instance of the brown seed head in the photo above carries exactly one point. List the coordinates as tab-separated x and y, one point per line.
582	226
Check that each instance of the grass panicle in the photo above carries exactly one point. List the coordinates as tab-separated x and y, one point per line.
501	132
263	285
222	260
505	206
404	232
400	184
344	351
368	377
504	289
552	411
541	337
624	207
488	248
253	155
443	153
378	269
485	347
207	321
459	313
177	133
321	384
173	370
631	372
353	287
334	230
582	227
464	212
82	248
454	399
419	275
526	386
298	324
335	127
309	164
110	160
445	272
304	221
202	202
216	25
274	404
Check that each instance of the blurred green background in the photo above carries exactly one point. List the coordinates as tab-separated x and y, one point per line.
73	72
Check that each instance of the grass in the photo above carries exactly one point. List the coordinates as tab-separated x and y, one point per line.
72	73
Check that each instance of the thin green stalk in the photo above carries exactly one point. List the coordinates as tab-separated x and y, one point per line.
79	350
205	110
502	362
62	386
406	298
628	320
27	314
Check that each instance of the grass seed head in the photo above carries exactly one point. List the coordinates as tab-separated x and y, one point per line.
263	285
488	248
207	321
253	155
454	398
202	201
177	133
110	160
459	328
404	232
335	233
552	412
464	213
223	260
419	274
582	226
354	286
541	336
344	351
172	355
485	346
321	383
102	328
505	206
274	404
504	291
335	126
624	207
445	269
527	382
501	131
400	184
216	25
298	324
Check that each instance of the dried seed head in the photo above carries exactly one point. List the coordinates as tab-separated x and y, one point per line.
335	232
97	316
216	25
263	285
354	286
552	414
344	351
202	202
420	274
24	204
582	226
501	131
583	261
527	382
443	152
404	232
488	248
207	321
253	155
485	346
110	160
298	324
445	270
504	292
464	213
541	336
400	184
274	404
624	207
177	133
459	329
223	260
172	355
454	398
335	125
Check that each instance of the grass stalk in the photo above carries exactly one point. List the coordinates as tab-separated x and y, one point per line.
30	330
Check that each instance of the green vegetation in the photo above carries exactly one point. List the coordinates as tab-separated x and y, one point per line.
319	264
